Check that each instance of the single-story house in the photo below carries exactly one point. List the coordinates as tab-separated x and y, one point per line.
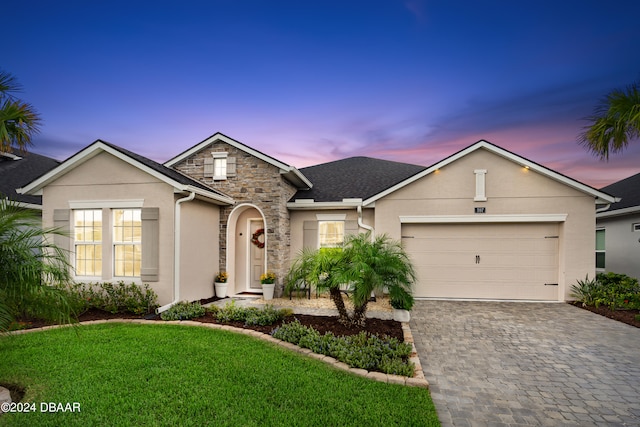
618	229
483	223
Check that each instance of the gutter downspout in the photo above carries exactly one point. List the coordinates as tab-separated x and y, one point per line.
362	224
176	254
604	208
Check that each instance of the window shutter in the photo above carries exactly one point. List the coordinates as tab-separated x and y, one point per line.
350	228
61	221
231	166
208	167
150	245
310	234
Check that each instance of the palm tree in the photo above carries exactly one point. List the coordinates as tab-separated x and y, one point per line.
19	120
32	269
363	265
615	122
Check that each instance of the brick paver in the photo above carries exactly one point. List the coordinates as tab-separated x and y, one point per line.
527	364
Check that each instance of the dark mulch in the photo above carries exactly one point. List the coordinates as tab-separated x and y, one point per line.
322	324
625	316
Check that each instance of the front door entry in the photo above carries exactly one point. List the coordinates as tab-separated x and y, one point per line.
256	253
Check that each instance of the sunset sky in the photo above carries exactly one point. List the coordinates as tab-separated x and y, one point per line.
312	81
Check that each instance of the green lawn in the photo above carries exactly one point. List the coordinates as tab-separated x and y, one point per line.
128	374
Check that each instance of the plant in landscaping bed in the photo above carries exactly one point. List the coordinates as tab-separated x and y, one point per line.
184	311
31	268
250	315
112	297
615	291
364	263
363	350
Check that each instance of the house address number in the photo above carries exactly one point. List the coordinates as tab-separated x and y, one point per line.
479	210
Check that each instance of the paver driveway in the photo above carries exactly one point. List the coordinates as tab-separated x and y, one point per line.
510	363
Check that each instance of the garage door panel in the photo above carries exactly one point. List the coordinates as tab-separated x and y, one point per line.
515	260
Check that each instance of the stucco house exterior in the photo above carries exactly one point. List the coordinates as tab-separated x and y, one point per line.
482	223
618	229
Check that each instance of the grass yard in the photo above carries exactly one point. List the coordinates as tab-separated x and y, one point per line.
128	374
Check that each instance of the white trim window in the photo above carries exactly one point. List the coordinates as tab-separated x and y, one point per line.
330	234
127	242
635	226
87	231
600	249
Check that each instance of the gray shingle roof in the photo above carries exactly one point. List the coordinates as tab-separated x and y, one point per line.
355	177
17	173
627	189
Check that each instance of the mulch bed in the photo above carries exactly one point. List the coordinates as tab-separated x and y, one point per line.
322	324
624	316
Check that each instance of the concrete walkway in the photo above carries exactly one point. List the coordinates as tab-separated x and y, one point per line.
524	364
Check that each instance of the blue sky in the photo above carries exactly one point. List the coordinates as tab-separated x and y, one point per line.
313	81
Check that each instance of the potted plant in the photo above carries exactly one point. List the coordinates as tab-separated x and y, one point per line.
402	303
220	284
268	281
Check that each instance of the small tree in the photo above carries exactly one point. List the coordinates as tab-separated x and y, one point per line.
616	122
19	121
364	265
31	269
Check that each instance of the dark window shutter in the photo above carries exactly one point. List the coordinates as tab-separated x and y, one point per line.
310	234
150	245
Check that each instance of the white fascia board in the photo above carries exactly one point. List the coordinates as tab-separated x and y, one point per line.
601	197
214	197
461	219
310	204
618	212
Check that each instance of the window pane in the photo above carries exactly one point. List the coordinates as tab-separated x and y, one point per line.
331	233
88	235
220	167
600	259
600	234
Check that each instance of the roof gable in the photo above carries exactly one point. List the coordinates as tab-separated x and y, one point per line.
170	176
292	174
600	196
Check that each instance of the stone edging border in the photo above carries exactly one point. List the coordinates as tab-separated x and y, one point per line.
418	379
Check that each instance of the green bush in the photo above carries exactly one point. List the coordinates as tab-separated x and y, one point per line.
364	350
250	315
112	297
613	290
184	311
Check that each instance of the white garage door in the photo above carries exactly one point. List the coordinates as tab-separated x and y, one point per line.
493	261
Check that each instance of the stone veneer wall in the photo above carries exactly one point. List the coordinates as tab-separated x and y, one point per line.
256	182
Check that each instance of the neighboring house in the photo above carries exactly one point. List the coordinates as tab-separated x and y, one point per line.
618	229
17	170
482	223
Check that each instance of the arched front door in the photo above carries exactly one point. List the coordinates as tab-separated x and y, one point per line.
246	248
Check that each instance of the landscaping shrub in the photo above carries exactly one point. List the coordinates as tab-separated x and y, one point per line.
250	315
613	290
184	311
112	297
364	350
